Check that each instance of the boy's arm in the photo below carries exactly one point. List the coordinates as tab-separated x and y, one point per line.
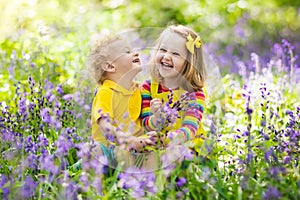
111	133
114	134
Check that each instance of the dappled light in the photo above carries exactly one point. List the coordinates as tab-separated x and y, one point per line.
250	111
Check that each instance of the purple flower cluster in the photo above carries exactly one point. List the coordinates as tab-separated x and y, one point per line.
38	137
138	182
44	128
170	110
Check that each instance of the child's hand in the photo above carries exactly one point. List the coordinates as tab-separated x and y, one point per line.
152	135
155	108
138	143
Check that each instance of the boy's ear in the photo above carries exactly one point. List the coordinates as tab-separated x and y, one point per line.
108	67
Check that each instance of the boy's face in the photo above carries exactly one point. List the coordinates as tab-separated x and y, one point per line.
121	56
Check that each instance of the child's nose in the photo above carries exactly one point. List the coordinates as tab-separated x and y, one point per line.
167	56
135	54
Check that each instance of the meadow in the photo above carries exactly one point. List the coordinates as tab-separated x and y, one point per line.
253	124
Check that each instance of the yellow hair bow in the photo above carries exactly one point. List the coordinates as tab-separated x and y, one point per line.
190	43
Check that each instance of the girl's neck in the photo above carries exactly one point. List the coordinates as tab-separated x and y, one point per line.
170	83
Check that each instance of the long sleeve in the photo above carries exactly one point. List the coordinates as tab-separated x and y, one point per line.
146	113
193	116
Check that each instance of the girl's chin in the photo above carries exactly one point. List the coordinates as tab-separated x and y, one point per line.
166	68
168	75
167	71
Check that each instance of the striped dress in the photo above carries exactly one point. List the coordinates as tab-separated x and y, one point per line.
189	122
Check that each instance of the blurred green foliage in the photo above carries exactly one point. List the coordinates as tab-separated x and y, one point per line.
65	28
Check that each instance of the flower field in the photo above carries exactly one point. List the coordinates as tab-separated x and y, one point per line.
252	149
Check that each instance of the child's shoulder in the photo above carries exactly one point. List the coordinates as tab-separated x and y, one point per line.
102	89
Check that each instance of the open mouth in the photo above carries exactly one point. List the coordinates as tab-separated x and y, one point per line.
136	60
166	65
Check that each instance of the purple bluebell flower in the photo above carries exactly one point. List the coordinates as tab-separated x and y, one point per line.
59	89
97	184
32	161
245	134
249	111
84	179
179	195
181	181
5	193
45	114
10	70
271	194
58	113
31	81
139	182
263	123
187	153
78	99
50	96
87	107
3	180
22	105
48	164
5	190
7	135
82	150
79	116
48	85
70	190
28	189
95	91
274	171
30	145
287	159
32	65
43	141
31	107
67	97
63	143
98	163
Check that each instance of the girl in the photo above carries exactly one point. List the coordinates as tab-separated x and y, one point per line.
177	69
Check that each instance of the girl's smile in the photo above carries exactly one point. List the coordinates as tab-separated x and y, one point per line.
166	65
171	55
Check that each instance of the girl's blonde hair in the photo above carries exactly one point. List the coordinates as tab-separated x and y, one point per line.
98	57
193	73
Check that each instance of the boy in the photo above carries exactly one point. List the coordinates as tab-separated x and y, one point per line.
117	105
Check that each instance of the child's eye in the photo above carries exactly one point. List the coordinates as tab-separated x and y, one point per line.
162	49
176	54
128	50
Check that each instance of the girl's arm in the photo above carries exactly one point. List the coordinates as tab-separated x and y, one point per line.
146	115
193	116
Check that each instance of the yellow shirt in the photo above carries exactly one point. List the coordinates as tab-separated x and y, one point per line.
120	104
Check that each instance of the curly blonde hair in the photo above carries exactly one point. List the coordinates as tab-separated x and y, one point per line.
98	57
194	71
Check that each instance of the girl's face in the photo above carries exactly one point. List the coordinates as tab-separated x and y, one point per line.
171	55
121	56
